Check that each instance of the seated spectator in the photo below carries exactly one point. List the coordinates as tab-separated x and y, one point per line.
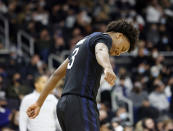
2	87
158	98
43	45
123	73
58	46
137	95
103	116
122	116
121	89
4	113
146	110
34	67
128	128
148	124
117	126
15	91
168	125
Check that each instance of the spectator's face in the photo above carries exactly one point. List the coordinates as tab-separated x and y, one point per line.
35	59
146	103
103	115
149	123
161	88
160	125
141	52
128	129
44	35
120	44
3	103
40	84
17	78
121	113
169	126
115	124
59	41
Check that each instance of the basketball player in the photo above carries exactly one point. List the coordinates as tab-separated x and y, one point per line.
77	108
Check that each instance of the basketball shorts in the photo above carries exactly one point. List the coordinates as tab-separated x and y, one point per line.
76	113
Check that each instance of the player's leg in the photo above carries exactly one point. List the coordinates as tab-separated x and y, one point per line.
81	114
91	115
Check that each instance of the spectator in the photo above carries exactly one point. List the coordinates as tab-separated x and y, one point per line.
35	66
59	45
122	116
153	34
123	73
168	125
116	126
15	91
4	113
146	110
158	98
137	95
122	90
153	12
43	44
3	7
128	128
148	124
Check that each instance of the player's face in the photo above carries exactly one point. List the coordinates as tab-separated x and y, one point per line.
120	44
41	83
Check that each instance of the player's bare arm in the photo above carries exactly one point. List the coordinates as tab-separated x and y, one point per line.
102	56
60	72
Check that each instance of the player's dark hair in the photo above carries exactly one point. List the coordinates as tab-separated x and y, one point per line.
127	29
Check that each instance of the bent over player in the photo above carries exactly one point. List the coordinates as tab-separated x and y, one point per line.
77	108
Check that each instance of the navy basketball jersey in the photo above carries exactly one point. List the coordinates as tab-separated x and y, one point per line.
83	72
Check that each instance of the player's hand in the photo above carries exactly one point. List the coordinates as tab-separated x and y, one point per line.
33	111
110	76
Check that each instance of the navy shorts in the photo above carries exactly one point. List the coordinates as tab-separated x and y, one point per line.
76	113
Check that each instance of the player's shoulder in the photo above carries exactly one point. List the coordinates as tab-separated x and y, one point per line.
95	34
100	35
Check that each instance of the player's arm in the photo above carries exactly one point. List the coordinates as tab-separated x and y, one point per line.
60	72
102	57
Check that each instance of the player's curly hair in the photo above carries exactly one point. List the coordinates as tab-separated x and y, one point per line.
127	29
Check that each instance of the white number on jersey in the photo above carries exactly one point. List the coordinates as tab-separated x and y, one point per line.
70	64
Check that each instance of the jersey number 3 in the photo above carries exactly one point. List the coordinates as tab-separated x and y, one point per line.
70	64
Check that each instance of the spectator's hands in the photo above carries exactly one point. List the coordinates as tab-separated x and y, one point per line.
109	76
33	111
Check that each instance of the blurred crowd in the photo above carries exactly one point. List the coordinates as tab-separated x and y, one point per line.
57	25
